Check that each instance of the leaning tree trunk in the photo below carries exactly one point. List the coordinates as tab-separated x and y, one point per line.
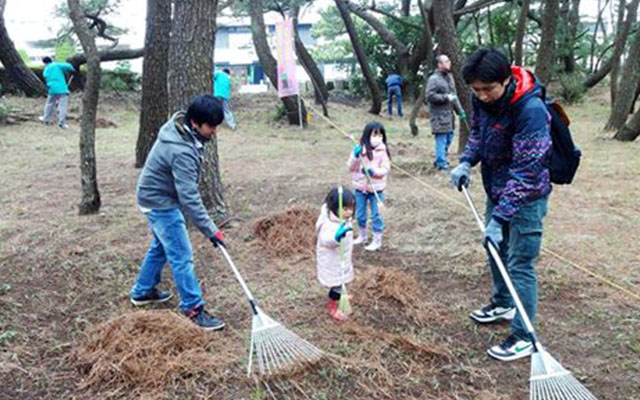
155	106
90	203
520	31
448	44
619	46
428	40
374	90
269	63
26	80
629	77
546	50
190	74
310	66
631	130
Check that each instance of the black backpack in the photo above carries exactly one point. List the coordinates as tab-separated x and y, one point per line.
565	155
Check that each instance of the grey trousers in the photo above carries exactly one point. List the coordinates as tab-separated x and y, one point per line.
62	101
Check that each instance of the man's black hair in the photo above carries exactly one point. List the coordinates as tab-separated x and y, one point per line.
205	109
226	71
486	65
47	60
333	200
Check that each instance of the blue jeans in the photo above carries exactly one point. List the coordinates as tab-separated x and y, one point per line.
228	116
396	91
443	141
361	210
170	243
519	251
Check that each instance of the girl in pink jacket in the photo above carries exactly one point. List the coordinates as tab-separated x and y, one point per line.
333	268
369	164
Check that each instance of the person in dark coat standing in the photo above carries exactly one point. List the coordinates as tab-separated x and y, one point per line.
441	98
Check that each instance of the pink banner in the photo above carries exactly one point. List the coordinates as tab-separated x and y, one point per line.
287	83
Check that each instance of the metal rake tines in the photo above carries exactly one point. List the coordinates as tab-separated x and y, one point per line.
551	381
277	348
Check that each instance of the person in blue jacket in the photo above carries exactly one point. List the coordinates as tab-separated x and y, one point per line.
57	90
394	89
167	192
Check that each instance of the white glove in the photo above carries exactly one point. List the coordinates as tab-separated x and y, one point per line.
452	97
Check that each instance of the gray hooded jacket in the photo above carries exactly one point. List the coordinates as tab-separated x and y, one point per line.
170	175
439	86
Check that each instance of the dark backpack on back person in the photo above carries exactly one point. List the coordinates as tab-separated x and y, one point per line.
565	155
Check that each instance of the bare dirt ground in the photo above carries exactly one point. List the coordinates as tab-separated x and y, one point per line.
62	275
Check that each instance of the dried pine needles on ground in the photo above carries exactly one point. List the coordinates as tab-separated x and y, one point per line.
149	351
289	233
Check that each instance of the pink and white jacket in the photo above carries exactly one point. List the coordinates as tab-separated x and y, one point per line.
328	263
380	166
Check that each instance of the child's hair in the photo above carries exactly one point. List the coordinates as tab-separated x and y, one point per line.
333	198
365	140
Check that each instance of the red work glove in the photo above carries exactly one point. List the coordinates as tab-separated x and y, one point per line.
217	239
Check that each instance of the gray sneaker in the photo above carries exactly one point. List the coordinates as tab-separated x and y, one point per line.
157	296
493	313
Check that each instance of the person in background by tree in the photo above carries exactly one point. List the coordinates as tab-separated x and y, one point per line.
58	91
441	98
510	136
167	187
222	91
394	89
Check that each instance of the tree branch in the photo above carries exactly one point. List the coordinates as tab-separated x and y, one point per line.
395	18
477	6
379	27
101	27
107	55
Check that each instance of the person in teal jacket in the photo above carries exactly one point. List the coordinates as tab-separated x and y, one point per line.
222	92
57	90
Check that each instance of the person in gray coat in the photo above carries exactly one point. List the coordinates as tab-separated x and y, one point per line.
441	98
167	191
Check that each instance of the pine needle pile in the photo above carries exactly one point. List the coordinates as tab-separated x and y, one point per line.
394	293
149	351
289	233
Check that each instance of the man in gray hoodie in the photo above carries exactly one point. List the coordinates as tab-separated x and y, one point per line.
167	190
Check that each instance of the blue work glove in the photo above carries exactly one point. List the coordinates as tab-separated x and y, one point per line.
342	231
493	233
461	175
357	150
368	171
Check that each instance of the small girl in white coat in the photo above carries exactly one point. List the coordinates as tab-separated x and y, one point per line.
333	268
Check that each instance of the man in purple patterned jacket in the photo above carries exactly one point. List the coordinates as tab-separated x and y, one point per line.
510	137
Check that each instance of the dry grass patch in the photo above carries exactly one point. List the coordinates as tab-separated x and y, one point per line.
289	233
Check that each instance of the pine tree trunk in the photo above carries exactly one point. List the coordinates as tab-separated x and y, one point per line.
631	130
629	78
546	50
310	66
155	66
573	18
615	68
520	32
26	80
376	99
90	203
190	74
269	63
447	37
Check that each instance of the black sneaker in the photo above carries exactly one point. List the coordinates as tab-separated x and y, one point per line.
493	313
511	349
157	296
204	320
